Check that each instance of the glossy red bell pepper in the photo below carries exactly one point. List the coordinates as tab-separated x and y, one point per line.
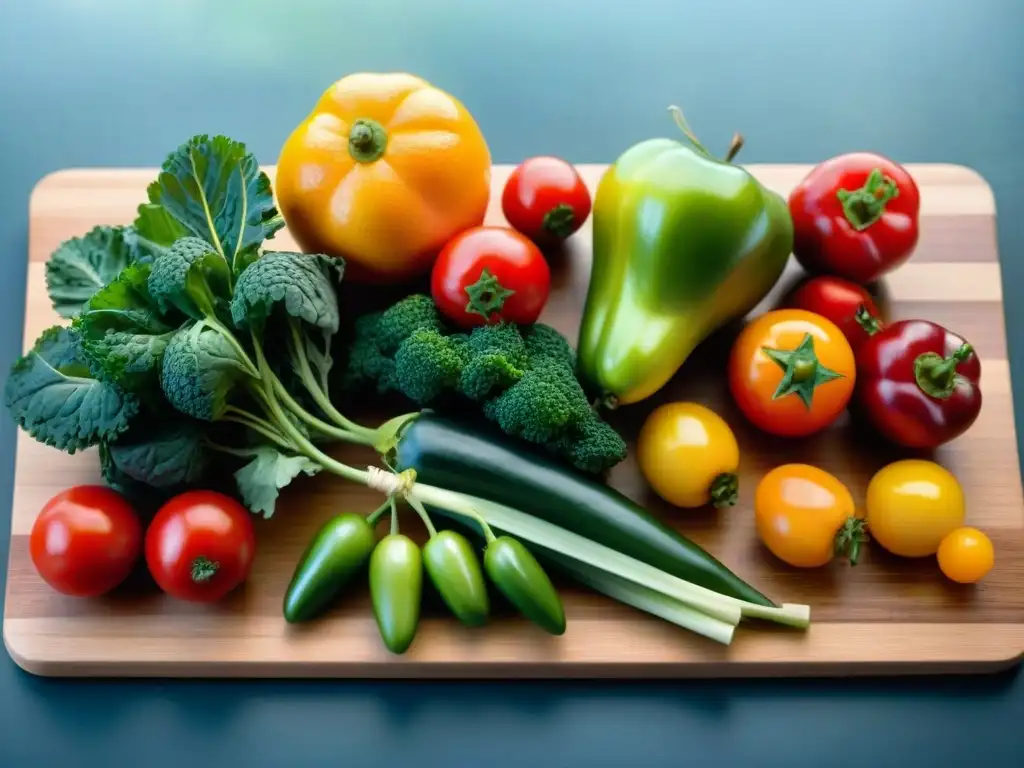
855	216
918	383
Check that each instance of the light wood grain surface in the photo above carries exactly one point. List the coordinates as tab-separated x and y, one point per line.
885	616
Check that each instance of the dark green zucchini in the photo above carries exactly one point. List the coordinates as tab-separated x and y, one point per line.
451	455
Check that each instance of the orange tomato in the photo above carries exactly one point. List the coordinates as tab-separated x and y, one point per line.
383	171
805	516
791	372
966	555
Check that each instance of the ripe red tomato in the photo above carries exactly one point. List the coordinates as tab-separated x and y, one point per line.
200	546
85	540
487	274
840	301
546	200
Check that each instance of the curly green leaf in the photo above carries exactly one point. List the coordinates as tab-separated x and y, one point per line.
55	397
215	189
200	369
302	285
83	265
261	480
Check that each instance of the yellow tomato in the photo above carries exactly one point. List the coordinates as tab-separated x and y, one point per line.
805	516
912	505
966	555
383	172
689	456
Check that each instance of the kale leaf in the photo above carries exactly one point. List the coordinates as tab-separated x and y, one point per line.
261	480
82	265
191	277
216	191
200	368
124	334
300	284
164	454
55	397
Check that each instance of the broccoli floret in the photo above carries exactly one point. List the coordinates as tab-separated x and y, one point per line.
427	364
497	359
398	322
535	408
545	343
591	446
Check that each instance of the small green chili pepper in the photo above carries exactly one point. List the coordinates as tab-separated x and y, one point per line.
396	588
454	569
521	579
337	552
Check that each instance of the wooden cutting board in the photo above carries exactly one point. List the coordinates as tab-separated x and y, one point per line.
884	616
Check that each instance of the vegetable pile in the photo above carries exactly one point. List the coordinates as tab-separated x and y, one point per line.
206	369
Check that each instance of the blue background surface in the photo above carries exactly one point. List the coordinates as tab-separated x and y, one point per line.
122	82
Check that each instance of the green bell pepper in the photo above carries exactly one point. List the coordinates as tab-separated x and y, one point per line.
683	243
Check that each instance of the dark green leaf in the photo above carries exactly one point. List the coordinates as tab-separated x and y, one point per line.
82	265
123	333
302	285
216	191
191	277
53	395
167	455
200	368
260	481
154	231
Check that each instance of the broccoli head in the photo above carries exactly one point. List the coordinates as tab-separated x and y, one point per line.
399	321
521	377
545	343
497	359
592	446
428	364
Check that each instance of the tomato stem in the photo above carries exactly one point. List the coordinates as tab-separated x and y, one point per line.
724	490
560	220
863	207
203	569
867	321
487	295
802	372
849	538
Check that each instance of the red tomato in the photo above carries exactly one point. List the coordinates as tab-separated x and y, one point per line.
840	301
200	546
546	200
487	274
85	540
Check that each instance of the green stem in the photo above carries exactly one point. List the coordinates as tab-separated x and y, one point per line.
242	453
321	398
422	512
303	443
256	424
203	569
465	510
936	375
229	336
677	115
376	515
394	515
864	206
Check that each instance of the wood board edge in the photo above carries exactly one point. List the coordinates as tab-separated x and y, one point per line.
973	649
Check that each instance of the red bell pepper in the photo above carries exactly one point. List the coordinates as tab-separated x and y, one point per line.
855	216
918	383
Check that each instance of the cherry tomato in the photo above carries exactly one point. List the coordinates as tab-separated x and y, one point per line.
546	200
200	546
846	304
85	540
689	456
966	555
805	516
791	372
912	505
487	274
